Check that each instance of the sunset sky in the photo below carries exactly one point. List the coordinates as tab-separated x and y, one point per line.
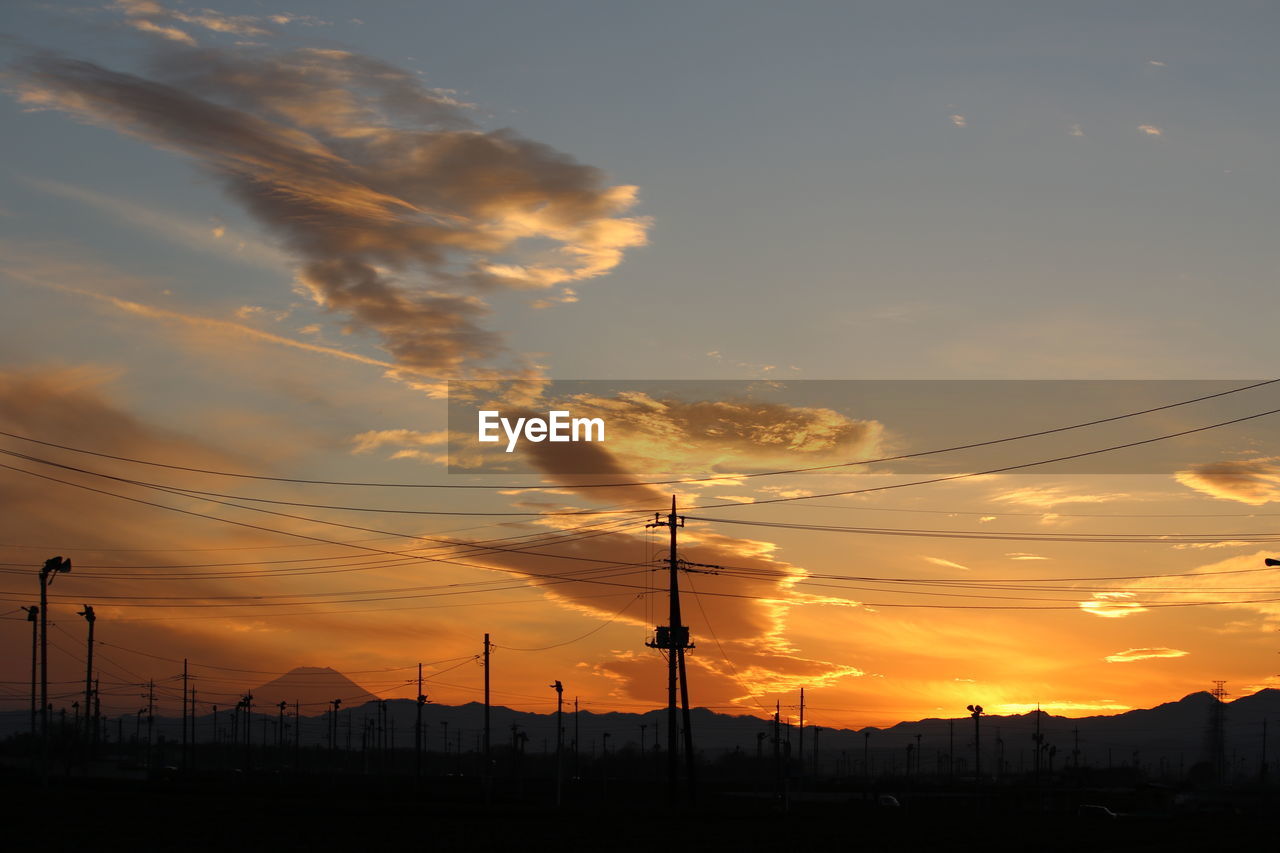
261	241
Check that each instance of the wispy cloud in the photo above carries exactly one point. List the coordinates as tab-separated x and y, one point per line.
1131	655
1045	497
1253	481
50	275
408	444
1150	130
149	16
959	120
1113	605
208	236
1231	583
938	561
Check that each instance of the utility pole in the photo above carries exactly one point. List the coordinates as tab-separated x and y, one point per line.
194	733
185	685
576	730
488	647
559	688
816	731
1039	741
52	567
1262	769
417	727
87	613
800	751
674	638
951	747
151	716
333	725
248	731
778	772
33	616
866	759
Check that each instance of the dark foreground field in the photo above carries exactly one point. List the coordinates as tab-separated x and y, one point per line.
324	815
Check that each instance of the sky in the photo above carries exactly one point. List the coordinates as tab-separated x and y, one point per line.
251	245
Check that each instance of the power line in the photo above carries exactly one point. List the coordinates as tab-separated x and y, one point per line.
950	449
280	514
403	558
599	627
1134	538
380	610
203	495
736	677
999	513
1003	469
205	603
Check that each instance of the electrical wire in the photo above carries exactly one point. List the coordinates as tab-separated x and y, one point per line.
951	449
594	630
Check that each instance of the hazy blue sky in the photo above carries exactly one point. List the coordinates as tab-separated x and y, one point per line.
814	203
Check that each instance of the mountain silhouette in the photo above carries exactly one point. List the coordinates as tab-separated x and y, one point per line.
1172	734
313	687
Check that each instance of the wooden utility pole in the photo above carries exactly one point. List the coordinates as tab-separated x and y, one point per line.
87	613
816	731
674	638
800	751
48	572
487	648
33	616
559	688
951	747
184	711
151	717
417	728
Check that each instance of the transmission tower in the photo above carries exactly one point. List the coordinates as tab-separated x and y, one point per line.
1217	731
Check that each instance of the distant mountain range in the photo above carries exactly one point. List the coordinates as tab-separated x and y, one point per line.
1173	734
